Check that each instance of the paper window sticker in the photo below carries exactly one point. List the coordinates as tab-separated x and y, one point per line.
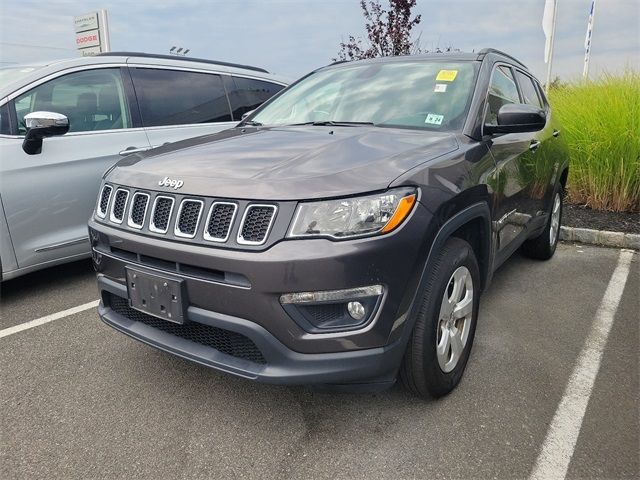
440	88
446	75
434	119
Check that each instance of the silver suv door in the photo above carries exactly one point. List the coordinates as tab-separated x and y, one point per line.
48	197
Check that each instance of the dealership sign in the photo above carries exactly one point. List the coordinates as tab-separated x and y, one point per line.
92	33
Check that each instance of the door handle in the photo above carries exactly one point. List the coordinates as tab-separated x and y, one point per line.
534	145
130	150
556	133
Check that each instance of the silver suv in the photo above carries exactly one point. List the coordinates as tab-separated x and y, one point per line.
112	105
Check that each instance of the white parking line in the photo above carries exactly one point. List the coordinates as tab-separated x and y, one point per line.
49	318
559	444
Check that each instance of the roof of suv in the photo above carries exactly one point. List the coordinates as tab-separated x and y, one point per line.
446	56
43	69
177	57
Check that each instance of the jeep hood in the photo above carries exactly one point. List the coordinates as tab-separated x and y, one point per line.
284	163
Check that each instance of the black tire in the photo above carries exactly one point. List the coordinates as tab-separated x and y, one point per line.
542	247
420	371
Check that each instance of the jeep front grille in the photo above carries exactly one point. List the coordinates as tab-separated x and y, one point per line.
161	214
119	205
256	223
188	218
219	222
138	211
103	204
230	222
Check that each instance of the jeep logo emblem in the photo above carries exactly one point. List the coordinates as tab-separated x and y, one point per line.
168	182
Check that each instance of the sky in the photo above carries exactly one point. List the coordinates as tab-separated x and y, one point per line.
293	37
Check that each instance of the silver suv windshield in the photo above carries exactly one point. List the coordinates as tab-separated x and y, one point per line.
406	94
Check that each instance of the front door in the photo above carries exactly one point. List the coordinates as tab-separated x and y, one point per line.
49	197
514	207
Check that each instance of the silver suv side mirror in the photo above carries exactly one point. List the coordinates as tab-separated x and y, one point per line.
41	125
246	114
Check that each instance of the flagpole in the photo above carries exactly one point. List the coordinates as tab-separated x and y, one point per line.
553	34
587	41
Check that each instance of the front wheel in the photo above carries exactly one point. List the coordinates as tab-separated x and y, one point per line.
544	245
442	337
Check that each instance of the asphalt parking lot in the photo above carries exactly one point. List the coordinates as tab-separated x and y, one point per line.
80	400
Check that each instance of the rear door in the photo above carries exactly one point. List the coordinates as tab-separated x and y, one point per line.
48	197
177	104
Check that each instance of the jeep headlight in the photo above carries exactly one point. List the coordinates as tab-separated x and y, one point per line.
354	217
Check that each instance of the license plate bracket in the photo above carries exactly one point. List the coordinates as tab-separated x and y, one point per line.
155	294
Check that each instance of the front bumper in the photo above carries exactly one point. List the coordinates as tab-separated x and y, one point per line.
248	303
281	365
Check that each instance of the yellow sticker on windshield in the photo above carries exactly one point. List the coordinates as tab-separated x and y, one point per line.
446	75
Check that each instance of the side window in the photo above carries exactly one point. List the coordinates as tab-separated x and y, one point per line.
91	99
174	97
248	94
5	126
529	91
502	91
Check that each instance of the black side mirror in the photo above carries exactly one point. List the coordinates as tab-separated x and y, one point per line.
518	118
41	125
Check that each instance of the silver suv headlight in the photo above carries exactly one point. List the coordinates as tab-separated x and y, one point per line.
354	217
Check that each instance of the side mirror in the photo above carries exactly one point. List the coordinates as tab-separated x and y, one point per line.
246	114
41	125
518	118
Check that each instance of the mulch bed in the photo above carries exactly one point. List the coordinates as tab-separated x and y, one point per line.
583	217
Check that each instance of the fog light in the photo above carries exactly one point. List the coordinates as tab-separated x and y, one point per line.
356	310
333	310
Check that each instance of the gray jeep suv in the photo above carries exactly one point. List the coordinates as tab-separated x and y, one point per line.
342	234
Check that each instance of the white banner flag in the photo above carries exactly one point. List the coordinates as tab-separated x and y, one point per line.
587	40
547	27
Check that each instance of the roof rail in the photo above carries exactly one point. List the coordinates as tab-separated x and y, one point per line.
176	57
485	51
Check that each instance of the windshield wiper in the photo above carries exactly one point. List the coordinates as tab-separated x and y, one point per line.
332	123
251	123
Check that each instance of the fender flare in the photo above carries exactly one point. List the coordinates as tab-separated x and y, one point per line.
477	210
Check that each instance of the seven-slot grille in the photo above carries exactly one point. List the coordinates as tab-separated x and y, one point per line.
105	196
256	224
119	205
138	211
188	218
161	214
219	220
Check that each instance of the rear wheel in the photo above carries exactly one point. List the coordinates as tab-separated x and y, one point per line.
441	341
544	245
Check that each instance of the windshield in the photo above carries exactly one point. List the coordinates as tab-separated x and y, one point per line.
406	94
11	74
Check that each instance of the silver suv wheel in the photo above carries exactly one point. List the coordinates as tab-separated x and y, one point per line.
455	319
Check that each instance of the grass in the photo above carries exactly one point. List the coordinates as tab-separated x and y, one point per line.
601	124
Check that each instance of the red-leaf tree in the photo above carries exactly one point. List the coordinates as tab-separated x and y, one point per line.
388	31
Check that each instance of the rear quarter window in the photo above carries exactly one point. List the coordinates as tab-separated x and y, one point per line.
176	97
246	94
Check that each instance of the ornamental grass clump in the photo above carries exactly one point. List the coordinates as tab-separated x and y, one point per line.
601	123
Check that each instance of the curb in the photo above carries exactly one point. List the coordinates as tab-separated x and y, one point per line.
600	237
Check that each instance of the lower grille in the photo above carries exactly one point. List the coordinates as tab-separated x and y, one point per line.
225	341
